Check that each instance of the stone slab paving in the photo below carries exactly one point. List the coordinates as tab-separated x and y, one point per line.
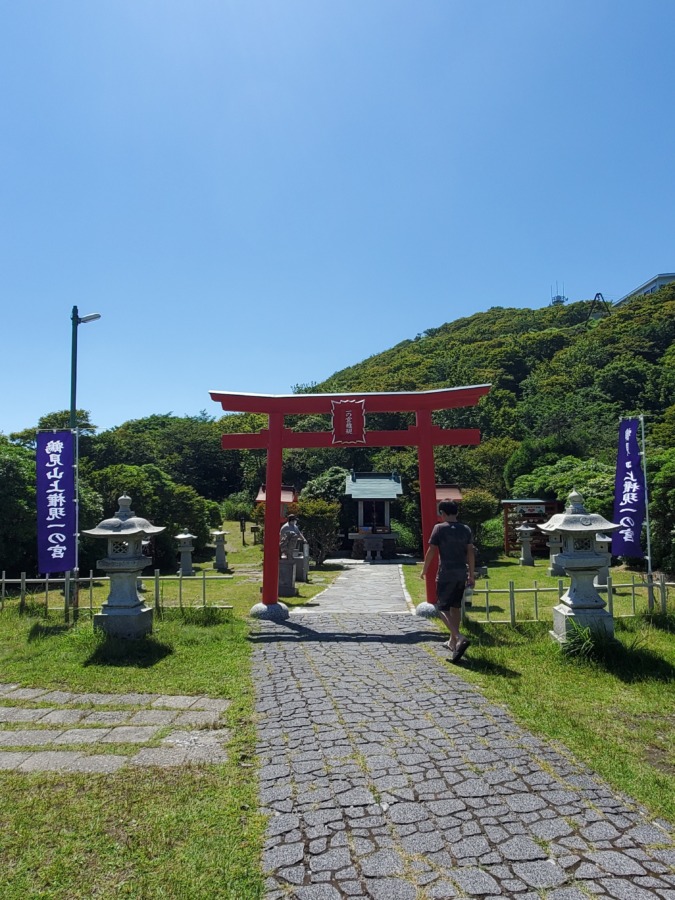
386	775
34	719
377	586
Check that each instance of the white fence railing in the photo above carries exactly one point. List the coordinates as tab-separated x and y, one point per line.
88	592
636	587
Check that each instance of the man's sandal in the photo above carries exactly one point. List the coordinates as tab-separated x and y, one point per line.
460	650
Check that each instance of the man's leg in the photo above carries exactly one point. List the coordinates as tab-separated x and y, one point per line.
451	618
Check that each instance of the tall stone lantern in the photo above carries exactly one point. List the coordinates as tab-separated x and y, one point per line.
581	560
124	614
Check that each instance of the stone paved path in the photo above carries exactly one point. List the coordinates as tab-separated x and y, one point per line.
377	584
158	730
387	776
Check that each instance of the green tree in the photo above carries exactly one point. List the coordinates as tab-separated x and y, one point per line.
593	479
160	500
57	421
476	508
18	514
328	486
319	521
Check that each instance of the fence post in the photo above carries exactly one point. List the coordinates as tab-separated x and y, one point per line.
180	590
610	596
664	593
91	594
158	605
47	595
66	596
22	599
203	587
2	596
512	602
536	602
487	600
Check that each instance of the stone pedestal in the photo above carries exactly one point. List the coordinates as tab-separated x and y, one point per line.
124	614
301	560
426	610
274	612
287	578
581	603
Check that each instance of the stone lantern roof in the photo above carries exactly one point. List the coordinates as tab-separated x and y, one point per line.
124	523
576	519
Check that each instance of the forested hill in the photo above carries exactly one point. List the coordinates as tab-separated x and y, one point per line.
549	367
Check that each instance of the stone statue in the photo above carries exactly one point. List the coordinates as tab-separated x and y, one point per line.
289	537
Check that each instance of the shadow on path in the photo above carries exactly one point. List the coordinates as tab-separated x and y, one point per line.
295	632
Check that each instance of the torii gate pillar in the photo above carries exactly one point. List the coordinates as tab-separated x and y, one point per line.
349	413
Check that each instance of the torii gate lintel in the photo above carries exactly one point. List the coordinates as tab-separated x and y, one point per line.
351	410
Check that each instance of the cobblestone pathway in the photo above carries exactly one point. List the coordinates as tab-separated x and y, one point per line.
380	582
145	729
387	776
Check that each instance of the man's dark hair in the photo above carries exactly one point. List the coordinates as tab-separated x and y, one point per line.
448	507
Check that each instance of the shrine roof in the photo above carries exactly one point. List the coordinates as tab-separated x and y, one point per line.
448	492
373	485
288	494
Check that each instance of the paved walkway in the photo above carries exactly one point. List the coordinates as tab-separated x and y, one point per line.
387	776
43	730
376	586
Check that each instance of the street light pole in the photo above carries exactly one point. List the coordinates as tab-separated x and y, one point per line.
76	320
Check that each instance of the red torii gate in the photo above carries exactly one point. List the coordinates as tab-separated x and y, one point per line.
349	412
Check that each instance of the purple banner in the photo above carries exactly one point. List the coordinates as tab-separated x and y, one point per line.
629	492
57	513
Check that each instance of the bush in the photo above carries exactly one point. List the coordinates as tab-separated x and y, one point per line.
407	540
236	507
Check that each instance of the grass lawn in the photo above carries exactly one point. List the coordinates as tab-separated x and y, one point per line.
617	713
191	832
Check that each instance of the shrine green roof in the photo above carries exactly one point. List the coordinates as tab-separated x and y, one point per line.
373	485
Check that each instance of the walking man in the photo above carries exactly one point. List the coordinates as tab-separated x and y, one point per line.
452	541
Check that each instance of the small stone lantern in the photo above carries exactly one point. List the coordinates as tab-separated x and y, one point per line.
579	557
525	533
221	555
124	614
185	548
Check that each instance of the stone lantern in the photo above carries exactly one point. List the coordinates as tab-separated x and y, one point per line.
602	545
580	559
525	533
124	614
185	548
221	555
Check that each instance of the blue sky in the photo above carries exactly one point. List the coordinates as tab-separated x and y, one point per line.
257	194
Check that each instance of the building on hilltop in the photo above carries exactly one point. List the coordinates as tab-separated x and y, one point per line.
649	287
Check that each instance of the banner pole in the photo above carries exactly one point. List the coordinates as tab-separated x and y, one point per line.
650	578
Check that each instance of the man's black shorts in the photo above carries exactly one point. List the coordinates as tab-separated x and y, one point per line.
449	593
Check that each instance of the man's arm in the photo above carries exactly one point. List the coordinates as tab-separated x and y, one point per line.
471	563
428	559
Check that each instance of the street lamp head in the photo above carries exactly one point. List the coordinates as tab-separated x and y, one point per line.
90	318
